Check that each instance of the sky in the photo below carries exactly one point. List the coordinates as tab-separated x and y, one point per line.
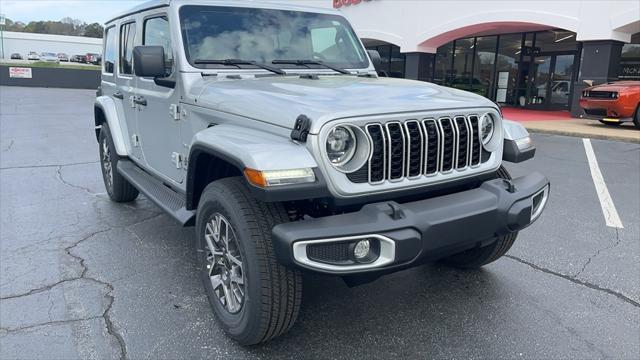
89	11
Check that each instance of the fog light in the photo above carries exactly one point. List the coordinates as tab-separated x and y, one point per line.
539	201
362	249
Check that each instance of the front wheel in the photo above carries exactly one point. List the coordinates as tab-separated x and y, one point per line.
636	118
478	257
254	297
118	188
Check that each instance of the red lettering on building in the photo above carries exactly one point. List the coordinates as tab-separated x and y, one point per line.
340	3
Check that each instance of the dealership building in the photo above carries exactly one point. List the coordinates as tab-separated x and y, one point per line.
526	54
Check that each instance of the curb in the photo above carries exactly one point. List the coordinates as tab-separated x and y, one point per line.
583	135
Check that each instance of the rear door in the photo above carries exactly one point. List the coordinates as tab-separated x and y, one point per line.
158	123
125	90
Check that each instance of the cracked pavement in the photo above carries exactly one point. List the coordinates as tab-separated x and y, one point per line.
82	277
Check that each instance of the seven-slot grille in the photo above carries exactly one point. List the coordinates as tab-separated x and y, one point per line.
413	148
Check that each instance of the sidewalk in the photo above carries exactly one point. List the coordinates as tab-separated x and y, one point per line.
585	128
561	123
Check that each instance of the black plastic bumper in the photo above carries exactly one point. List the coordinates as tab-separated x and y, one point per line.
427	229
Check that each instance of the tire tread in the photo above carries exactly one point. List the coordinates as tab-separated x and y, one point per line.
281	287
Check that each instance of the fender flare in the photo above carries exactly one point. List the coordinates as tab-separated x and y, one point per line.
119	132
256	149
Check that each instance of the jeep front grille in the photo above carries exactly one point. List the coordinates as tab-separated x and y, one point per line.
414	148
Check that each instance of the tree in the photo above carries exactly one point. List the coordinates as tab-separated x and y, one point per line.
94	30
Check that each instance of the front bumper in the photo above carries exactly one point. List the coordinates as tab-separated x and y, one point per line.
410	233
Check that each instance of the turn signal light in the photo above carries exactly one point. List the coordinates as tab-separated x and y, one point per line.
269	178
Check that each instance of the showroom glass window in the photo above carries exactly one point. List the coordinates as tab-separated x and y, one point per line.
265	35
396	63
462	63
442	68
127	41
392	61
630	59
555	40
157	33
485	58
385	56
509	50
109	50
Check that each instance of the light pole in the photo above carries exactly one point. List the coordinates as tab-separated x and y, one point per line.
2	23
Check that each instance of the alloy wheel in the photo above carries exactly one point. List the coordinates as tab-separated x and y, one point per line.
106	164
224	263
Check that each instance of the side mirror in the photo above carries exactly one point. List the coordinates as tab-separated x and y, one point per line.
375	59
148	61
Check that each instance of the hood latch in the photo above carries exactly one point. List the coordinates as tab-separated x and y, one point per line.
301	129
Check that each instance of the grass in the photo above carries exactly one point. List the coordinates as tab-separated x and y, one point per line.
44	64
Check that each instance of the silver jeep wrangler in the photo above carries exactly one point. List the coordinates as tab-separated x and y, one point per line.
268	129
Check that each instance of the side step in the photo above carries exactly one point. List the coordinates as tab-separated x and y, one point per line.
169	200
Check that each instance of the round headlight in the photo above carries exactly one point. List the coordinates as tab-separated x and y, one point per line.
487	128
341	145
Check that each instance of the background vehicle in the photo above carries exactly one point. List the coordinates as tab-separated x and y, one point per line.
33	56
94	59
49	57
613	103
63	57
290	154
16	56
79	59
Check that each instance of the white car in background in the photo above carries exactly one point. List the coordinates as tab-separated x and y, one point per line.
33	56
49	57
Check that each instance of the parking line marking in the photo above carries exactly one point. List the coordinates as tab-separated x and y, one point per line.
611	216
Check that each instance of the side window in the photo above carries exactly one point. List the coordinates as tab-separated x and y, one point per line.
109	50
157	33
127	38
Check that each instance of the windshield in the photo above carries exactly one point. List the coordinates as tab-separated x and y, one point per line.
265	35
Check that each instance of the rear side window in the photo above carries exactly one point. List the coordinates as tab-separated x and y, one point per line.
157	33
109	50
127	41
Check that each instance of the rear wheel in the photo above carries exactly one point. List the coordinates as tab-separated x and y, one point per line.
636	119
118	188
477	257
255	298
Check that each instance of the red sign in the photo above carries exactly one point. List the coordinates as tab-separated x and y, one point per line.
340	3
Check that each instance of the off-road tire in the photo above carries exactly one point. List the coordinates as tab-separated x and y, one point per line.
119	190
273	293
609	123
478	257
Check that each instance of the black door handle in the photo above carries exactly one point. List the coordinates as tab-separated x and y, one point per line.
140	101
118	95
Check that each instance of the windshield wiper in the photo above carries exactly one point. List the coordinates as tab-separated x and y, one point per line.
311	62
238	62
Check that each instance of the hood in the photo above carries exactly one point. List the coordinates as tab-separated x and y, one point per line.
279	100
615	86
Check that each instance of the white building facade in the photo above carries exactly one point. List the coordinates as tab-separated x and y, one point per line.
23	43
532	54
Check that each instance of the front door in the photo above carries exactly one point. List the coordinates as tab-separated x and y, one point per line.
551	82
125	90
159	128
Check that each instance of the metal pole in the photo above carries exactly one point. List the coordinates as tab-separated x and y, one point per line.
3	20
2	41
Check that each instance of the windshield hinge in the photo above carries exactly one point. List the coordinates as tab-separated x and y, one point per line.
301	129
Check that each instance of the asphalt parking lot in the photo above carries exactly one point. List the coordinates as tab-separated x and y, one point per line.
81	277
